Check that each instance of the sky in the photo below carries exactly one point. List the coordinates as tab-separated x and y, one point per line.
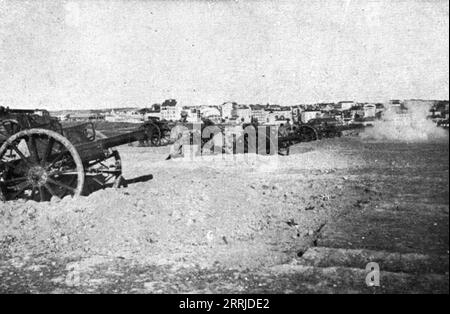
103	54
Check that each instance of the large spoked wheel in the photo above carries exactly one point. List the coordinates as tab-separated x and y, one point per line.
155	137
152	135
39	164
165	137
307	133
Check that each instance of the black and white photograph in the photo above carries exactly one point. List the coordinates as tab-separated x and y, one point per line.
206	148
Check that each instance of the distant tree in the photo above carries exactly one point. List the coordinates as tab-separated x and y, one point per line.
169	102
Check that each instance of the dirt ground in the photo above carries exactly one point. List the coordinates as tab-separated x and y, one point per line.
305	223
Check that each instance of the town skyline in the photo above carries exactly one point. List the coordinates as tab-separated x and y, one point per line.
151	104
346	112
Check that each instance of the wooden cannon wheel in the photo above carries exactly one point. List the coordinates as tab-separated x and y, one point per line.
152	133
155	136
165	137
39	164
307	133
159	135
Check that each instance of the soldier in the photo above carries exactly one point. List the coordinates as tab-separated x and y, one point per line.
284	131
285	128
179	135
184	116
288	124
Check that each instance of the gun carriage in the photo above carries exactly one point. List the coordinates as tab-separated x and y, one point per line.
39	159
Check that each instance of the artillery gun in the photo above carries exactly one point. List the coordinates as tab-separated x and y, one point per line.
326	127
39	159
248	137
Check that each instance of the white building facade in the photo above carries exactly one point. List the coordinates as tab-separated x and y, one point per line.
170	112
308	115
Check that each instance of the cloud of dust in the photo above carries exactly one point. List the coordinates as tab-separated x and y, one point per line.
410	125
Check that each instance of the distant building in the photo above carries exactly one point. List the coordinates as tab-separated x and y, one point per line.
193	114
357	112
278	114
84	116
370	110
130	116
259	113
242	113
211	113
310	114
275	117
227	110
345	105
326	107
395	105
170	110
151	114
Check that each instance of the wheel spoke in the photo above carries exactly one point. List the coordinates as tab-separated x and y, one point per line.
33	190
21	155
49	188
48	151
67	173
60	184
15	180
58	158
22	188
32	148
41	193
98	182
8	153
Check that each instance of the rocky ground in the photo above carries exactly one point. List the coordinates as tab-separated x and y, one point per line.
305	223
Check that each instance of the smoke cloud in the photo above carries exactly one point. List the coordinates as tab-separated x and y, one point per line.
407	125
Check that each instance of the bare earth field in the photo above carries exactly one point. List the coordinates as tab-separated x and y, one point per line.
304	223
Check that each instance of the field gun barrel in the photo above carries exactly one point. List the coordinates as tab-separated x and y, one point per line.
94	150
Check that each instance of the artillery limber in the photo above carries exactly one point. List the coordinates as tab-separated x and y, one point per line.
39	159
